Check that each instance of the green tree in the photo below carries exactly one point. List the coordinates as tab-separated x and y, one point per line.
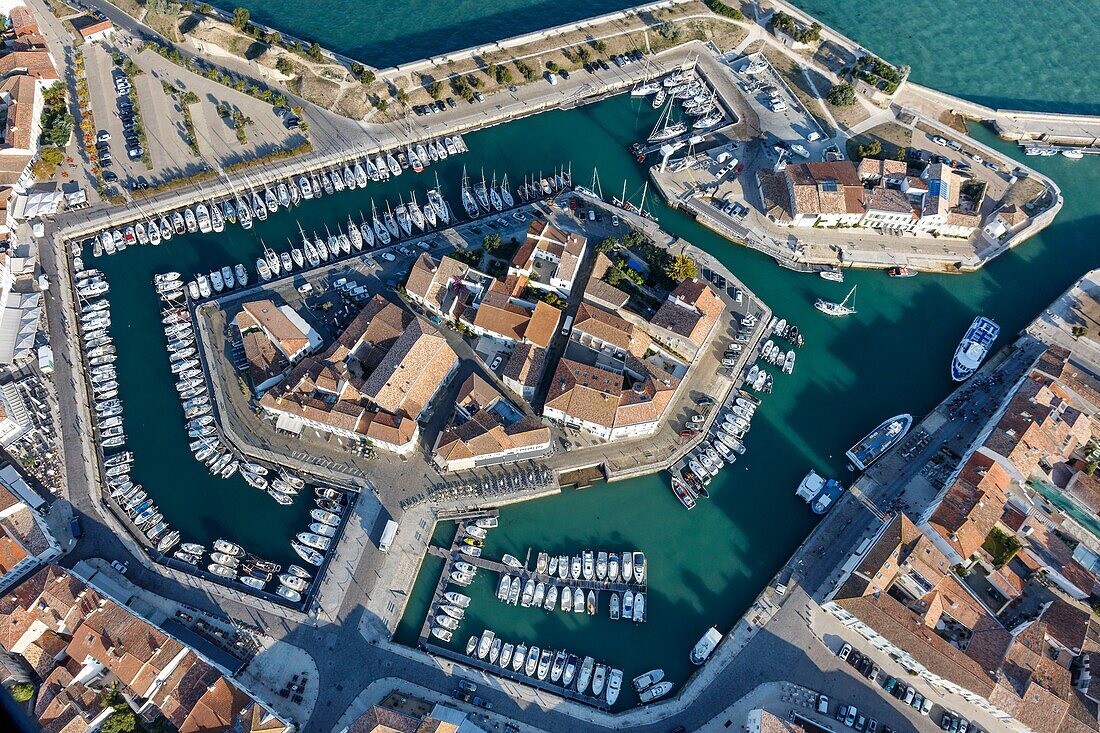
583	54
112	698
315	51
241	16
21	692
435	89
284	66
502	74
273	38
841	95
613	276
599	45
872	149
680	268
1079	331
120	721
552	67
607	245
668	31
381	105
492	243
402	96
206	9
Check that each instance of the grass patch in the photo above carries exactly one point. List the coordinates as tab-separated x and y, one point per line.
891	136
305	147
1001	547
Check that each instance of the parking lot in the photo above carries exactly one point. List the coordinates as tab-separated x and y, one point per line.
162	115
781	114
897	688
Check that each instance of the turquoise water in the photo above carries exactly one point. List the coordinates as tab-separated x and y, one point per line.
891	357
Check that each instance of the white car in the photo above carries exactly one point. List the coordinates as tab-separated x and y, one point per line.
615	221
939	140
120	567
496	363
387	257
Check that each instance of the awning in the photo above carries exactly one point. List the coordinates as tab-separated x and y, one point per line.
289	424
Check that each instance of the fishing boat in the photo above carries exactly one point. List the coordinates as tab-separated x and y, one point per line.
241	274
899	271
650	694
222	570
638	612
872	446
705	646
973	348
832	274
842	308
613	609
262	269
683	493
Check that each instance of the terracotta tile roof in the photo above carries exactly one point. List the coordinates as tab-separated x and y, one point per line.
525	364
1011	215
11	553
610	328
543	324
973	504
374	331
383	720
875	168
411	371
507	320
831	187
22	20
887	199
690	311
29	42
776	195
32	63
604	294
280	329
22	527
484	433
88	30
601	397
18	93
264	360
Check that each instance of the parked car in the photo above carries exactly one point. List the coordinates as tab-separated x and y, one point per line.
918	700
850	718
103	136
823	704
120	567
889	685
496	363
467	686
910	693
481	703
387	257
926	706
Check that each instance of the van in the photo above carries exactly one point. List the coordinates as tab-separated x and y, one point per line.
568	326
591	215
822	704
387	536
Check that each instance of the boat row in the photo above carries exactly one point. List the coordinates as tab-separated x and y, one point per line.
773	354
227	278
696	100
230	562
313	545
449	613
98	348
486	197
246	207
585	676
136	504
720	448
550	596
601	566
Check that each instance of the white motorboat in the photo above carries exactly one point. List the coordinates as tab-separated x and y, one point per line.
705	646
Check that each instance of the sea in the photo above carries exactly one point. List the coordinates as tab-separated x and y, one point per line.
892	356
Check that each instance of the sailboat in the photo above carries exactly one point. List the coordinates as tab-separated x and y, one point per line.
391	223
402	214
663	130
415	213
494	195
505	194
482	193
837	309
380	230
468	201
366	232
